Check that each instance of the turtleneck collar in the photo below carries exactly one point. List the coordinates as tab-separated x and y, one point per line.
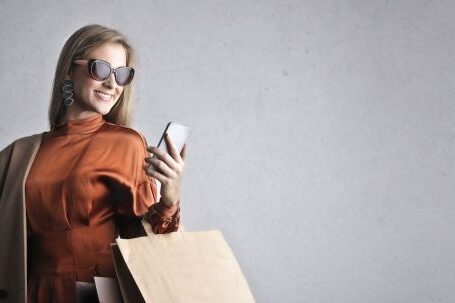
85	125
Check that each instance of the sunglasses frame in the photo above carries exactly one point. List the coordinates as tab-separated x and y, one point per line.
90	63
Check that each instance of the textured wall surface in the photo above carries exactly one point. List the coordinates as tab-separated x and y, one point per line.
323	132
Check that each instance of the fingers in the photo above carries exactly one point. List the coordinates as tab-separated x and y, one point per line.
163	156
183	152
168	165
173	159
172	149
161	167
153	173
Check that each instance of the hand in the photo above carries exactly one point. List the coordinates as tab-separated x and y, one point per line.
167	168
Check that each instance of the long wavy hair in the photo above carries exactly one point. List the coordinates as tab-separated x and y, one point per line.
79	44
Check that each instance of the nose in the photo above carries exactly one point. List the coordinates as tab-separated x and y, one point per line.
110	82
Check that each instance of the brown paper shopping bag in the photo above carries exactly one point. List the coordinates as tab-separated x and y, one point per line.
128	288
179	267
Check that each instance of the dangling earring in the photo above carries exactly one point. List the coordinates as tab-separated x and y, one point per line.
67	90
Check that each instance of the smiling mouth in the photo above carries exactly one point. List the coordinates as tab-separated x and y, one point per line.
105	97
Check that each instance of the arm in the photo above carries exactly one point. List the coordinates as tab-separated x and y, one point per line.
164	216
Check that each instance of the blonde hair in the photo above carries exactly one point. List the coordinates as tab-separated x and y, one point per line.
79	44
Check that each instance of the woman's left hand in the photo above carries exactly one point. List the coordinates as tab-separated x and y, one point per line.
167	168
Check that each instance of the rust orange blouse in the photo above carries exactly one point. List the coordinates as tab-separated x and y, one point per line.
86	186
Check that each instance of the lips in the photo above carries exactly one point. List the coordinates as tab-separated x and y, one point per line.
104	96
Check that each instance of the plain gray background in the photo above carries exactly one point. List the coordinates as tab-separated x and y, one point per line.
323	132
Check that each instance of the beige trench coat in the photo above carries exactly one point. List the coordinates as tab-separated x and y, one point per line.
15	162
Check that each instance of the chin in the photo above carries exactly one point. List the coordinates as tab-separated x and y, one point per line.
103	109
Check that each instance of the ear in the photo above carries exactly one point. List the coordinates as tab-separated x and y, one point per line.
70	71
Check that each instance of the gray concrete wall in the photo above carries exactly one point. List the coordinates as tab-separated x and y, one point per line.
323	132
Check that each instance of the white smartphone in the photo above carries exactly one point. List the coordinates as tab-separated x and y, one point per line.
179	134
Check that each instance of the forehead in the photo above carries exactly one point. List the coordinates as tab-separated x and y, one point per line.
114	53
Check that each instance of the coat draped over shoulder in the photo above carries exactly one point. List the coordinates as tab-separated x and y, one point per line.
15	163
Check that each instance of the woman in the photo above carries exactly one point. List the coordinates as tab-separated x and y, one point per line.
86	181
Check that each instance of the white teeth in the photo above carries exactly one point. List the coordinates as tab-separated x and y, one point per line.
104	96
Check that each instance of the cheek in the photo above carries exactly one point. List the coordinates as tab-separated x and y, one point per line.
84	88
119	93
91	84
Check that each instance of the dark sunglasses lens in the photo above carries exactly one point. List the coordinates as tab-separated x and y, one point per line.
100	70
124	75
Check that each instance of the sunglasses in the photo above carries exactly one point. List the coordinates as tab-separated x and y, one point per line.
101	70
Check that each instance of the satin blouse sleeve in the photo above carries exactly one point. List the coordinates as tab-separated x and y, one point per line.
139	198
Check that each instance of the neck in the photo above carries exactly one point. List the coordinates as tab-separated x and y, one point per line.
74	113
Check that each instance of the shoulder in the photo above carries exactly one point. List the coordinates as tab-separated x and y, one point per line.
24	142
125	136
20	149
32	139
